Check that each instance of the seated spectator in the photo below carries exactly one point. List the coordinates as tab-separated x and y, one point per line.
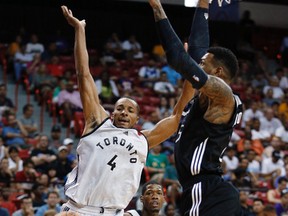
34	46
55	137
3	149
5	202
5	102
282	207
269	122
246	208
15	162
43	83
42	155
14	132
258	206
274	194
272	167
171	182
148	74
26	207
29	122
69	101
62	164
6	176
173	77
21	59
54	67
156	163
163	87
230	159
107	88
132	48
52	203
68	142
26	177
165	107
125	84
114	46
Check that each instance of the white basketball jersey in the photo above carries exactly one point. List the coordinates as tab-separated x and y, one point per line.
110	163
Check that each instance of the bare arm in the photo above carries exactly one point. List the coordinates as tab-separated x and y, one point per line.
168	126
94	113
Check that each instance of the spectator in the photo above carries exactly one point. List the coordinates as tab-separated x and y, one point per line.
29	122
274	195
270	123
156	163
52	203
107	88
26	207
164	88
14	132
173	77
231	159
55	137
26	177
42	156
34	46
62	164
148	74
21	59
132	48
6	176
171	182
5	102
69	101
15	162
68	142
114	46
252	111
282	207
246	209
278	92
258	206
272	167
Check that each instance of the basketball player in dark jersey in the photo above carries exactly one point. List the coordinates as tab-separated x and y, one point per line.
111	153
208	122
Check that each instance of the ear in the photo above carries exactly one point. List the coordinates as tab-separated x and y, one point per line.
219	71
141	198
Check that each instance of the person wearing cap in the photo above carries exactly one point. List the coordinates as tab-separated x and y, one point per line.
26	207
282	207
68	142
62	164
55	137
273	166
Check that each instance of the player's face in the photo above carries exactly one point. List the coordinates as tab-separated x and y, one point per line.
153	198
207	64
125	114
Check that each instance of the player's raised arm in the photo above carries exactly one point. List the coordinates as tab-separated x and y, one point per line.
94	113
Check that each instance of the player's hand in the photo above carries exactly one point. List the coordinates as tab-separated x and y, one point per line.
73	21
155	4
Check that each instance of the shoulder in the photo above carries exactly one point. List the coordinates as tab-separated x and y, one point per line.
133	212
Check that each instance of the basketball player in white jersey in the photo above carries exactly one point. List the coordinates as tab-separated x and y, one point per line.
111	154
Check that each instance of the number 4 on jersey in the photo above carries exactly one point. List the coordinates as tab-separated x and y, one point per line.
112	162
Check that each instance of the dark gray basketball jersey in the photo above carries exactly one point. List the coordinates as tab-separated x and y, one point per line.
200	144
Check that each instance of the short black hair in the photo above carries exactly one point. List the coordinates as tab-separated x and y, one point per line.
227	58
144	188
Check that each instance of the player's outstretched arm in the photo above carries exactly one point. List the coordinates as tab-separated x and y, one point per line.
94	113
168	126
199	39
